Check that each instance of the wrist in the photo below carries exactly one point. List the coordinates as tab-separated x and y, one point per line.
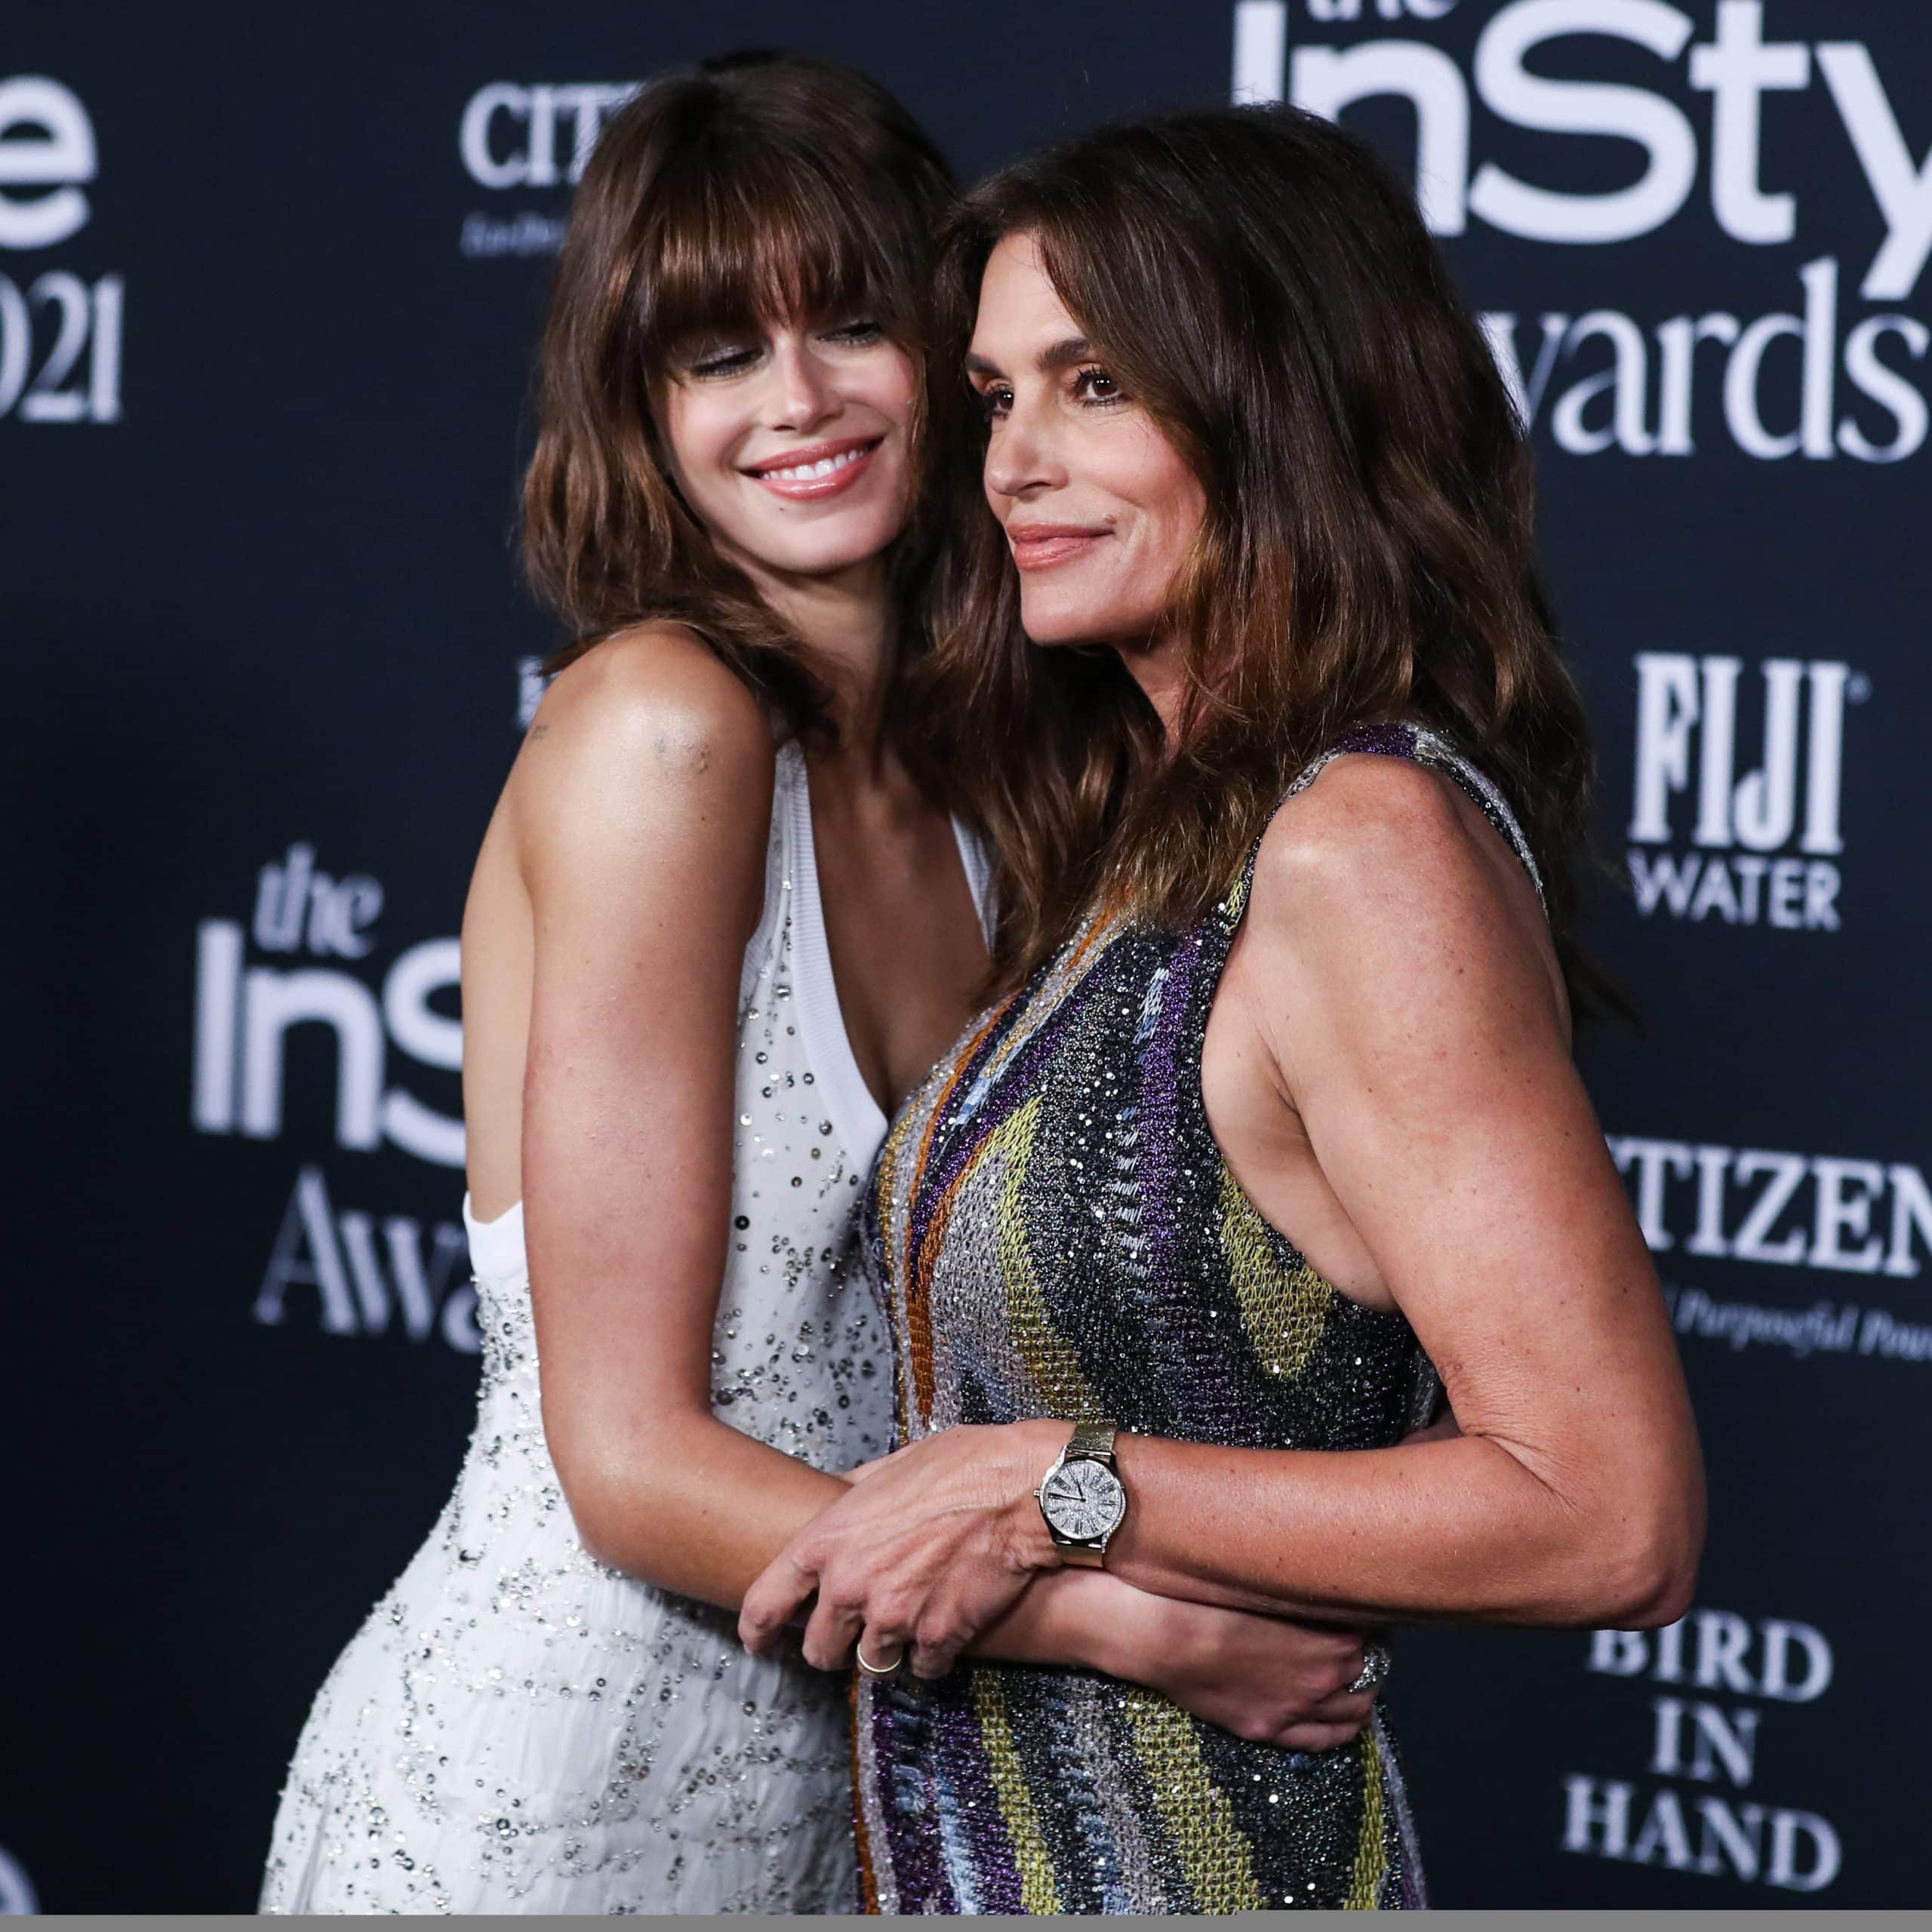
1143	1634
1035	1445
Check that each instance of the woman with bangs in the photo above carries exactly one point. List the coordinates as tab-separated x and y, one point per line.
720	926
1275	1132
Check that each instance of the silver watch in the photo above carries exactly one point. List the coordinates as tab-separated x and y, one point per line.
1082	1498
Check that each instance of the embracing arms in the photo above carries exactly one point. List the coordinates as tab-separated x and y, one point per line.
1408	1021
640	806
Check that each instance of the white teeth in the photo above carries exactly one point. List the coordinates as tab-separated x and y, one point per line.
809	472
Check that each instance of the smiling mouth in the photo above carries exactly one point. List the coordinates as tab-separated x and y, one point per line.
825	470
1039	547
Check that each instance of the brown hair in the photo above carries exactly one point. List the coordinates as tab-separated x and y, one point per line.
1257	280
749	186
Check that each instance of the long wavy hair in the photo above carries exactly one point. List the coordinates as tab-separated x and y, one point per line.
753	187
1264	288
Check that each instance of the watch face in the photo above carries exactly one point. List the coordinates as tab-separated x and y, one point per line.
1084	1500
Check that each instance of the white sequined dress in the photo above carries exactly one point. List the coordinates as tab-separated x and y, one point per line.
517	1727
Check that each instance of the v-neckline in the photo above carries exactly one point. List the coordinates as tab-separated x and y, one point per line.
855	1113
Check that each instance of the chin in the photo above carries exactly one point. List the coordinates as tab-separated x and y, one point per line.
828	558
1052	622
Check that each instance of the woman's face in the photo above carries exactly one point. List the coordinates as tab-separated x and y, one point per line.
789	442
1098	506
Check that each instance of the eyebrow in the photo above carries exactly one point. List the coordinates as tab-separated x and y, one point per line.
1071	348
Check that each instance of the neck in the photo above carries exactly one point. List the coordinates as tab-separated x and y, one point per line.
1159	666
845	621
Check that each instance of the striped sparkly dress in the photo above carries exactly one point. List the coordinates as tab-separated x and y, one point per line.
1056	1234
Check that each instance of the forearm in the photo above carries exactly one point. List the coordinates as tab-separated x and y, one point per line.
1083	1619
1453	1529
699	1510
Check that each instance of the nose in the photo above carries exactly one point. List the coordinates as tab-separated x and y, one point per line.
1021	458
803	397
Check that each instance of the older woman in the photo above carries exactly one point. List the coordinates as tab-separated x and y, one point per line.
1277	1120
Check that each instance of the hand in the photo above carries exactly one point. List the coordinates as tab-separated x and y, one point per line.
926	1549
1264	1678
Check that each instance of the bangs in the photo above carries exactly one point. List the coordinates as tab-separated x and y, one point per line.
741	232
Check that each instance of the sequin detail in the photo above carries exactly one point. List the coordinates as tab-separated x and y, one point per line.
1056	1234
519	1728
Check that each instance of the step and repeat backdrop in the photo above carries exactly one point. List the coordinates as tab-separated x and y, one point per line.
268	287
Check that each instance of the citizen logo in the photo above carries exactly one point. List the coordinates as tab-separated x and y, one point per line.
539	136
1763	835
1782	1210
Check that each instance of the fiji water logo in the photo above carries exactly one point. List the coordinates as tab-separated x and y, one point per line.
1713	840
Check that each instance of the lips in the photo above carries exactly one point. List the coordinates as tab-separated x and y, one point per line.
817	471
1039	546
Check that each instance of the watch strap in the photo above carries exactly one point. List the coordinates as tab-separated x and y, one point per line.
1092	1441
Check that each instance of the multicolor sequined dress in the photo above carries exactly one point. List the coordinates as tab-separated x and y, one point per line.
1057	1234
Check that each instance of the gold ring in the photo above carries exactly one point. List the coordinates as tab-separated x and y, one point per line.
868	1668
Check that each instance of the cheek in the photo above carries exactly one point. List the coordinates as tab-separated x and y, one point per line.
890	384
1175	504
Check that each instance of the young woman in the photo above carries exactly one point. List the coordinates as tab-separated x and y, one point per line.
717	930
1281	1108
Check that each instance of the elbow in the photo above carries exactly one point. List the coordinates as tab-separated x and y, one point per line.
605	1512
616	1489
1641	1572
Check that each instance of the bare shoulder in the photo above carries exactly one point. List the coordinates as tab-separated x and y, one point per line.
646	735
658	688
1382	863
1366	821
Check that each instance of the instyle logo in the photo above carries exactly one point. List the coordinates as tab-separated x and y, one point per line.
1763	837
367	1278
244	1014
371	1275
1704	1738
1842	388
60	335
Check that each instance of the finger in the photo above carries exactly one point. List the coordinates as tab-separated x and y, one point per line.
1306	1736
865	1472
882	1646
1346	1707
830	1632
772	1601
935	1654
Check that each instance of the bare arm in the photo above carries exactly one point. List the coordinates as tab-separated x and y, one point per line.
1420	1040
641	814
1417	1038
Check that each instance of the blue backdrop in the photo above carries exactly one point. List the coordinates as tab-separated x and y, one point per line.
268	287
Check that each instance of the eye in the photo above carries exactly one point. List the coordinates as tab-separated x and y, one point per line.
994	401
858	333
1096	386
721	359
